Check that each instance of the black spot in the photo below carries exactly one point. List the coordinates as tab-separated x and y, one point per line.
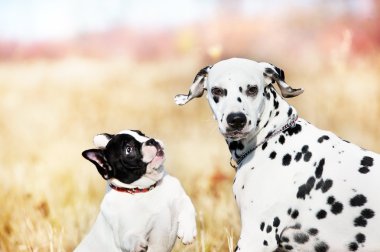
337	208
327	185
290	111
216	99
319	184
277	113
284	239
322	138
368	213
276	222
307	156
288	247
360	222
242	187
262	225
241	89
250	122
272	155
269	228
258	122
301	238
305	189
358	200
364	170
265	243
294	130
286	160
275	104
237	248
281	139
321	214
265	125
360	238
305	149
264	146
239	99
298	156
289	211
295	214
319	169
367	161
353	246
313	231
297	226
321	247
330	200
235	145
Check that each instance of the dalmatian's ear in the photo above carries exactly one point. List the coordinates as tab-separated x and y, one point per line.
273	74
196	89
101	140
96	156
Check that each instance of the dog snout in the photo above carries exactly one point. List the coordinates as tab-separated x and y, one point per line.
236	121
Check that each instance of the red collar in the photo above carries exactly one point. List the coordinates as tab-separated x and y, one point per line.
133	190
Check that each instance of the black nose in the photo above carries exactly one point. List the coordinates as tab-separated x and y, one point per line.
236	121
152	142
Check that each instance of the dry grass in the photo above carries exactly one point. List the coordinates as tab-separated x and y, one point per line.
50	110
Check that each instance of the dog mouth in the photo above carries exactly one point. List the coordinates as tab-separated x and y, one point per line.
235	134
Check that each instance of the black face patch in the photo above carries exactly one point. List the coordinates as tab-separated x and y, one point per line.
126	167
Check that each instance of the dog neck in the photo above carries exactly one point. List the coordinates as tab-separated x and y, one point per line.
151	177
275	115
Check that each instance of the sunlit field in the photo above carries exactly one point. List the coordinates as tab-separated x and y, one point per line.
51	109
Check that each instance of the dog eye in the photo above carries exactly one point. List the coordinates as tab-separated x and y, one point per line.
217	91
129	149
252	90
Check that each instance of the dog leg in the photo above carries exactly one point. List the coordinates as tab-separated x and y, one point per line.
187	228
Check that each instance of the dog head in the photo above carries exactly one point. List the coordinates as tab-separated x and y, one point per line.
126	156
236	93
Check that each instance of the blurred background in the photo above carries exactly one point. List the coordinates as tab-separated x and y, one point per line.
72	69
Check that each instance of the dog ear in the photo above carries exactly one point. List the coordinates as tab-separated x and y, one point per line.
101	140
273	74
196	89
97	157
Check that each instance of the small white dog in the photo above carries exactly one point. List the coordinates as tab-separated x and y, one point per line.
144	208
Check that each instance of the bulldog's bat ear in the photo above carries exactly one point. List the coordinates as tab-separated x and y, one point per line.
196	89
97	157
273	74
101	140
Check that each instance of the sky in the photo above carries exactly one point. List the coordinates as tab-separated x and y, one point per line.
34	20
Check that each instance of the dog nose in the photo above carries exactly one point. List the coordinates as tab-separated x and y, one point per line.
236	121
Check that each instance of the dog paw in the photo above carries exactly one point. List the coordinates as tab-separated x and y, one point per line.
187	231
135	243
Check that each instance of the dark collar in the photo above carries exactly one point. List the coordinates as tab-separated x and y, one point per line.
290	124
133	190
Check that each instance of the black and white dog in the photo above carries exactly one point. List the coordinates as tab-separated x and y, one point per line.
298	188
144	208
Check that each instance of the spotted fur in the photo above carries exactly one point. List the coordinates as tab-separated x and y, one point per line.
305	189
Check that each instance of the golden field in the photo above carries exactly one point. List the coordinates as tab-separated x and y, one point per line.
51	109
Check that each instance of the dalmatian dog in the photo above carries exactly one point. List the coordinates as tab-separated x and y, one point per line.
298	188
144	208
